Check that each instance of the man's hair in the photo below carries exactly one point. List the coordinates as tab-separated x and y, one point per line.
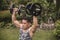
27	18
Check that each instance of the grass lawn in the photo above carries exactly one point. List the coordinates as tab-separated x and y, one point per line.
13	34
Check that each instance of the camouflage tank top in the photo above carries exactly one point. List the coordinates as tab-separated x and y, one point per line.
24	35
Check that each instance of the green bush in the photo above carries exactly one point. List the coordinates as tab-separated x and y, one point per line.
2	24
3	5
57	29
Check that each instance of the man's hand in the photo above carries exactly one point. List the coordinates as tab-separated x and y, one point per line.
15	10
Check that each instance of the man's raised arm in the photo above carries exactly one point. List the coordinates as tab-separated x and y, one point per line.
14	20
35	24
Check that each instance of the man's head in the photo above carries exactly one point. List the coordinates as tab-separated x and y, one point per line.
26	22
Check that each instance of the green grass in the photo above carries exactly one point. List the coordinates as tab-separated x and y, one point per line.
44	35
8	34
13	34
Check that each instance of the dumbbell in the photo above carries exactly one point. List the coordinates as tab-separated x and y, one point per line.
34	9
12	6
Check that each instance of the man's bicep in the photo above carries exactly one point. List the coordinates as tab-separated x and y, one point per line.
16	23
33	28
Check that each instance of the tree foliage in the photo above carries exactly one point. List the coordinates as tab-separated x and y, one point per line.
3	5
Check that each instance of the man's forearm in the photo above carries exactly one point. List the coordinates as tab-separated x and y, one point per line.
35	21
13	16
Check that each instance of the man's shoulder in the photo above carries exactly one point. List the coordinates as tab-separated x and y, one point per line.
21	25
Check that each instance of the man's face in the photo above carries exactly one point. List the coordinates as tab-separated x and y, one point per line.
26	24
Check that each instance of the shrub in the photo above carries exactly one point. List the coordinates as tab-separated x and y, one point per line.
57	29
2	24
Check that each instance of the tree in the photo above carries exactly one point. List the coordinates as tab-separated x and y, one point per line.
3	5
58	9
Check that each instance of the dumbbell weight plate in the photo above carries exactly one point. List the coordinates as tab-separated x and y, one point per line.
28	8
21	9
36	9
11	8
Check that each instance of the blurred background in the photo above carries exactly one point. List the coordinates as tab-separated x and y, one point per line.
49	20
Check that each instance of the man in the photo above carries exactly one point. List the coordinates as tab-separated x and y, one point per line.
26	32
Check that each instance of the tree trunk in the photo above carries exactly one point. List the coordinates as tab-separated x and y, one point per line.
57	8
